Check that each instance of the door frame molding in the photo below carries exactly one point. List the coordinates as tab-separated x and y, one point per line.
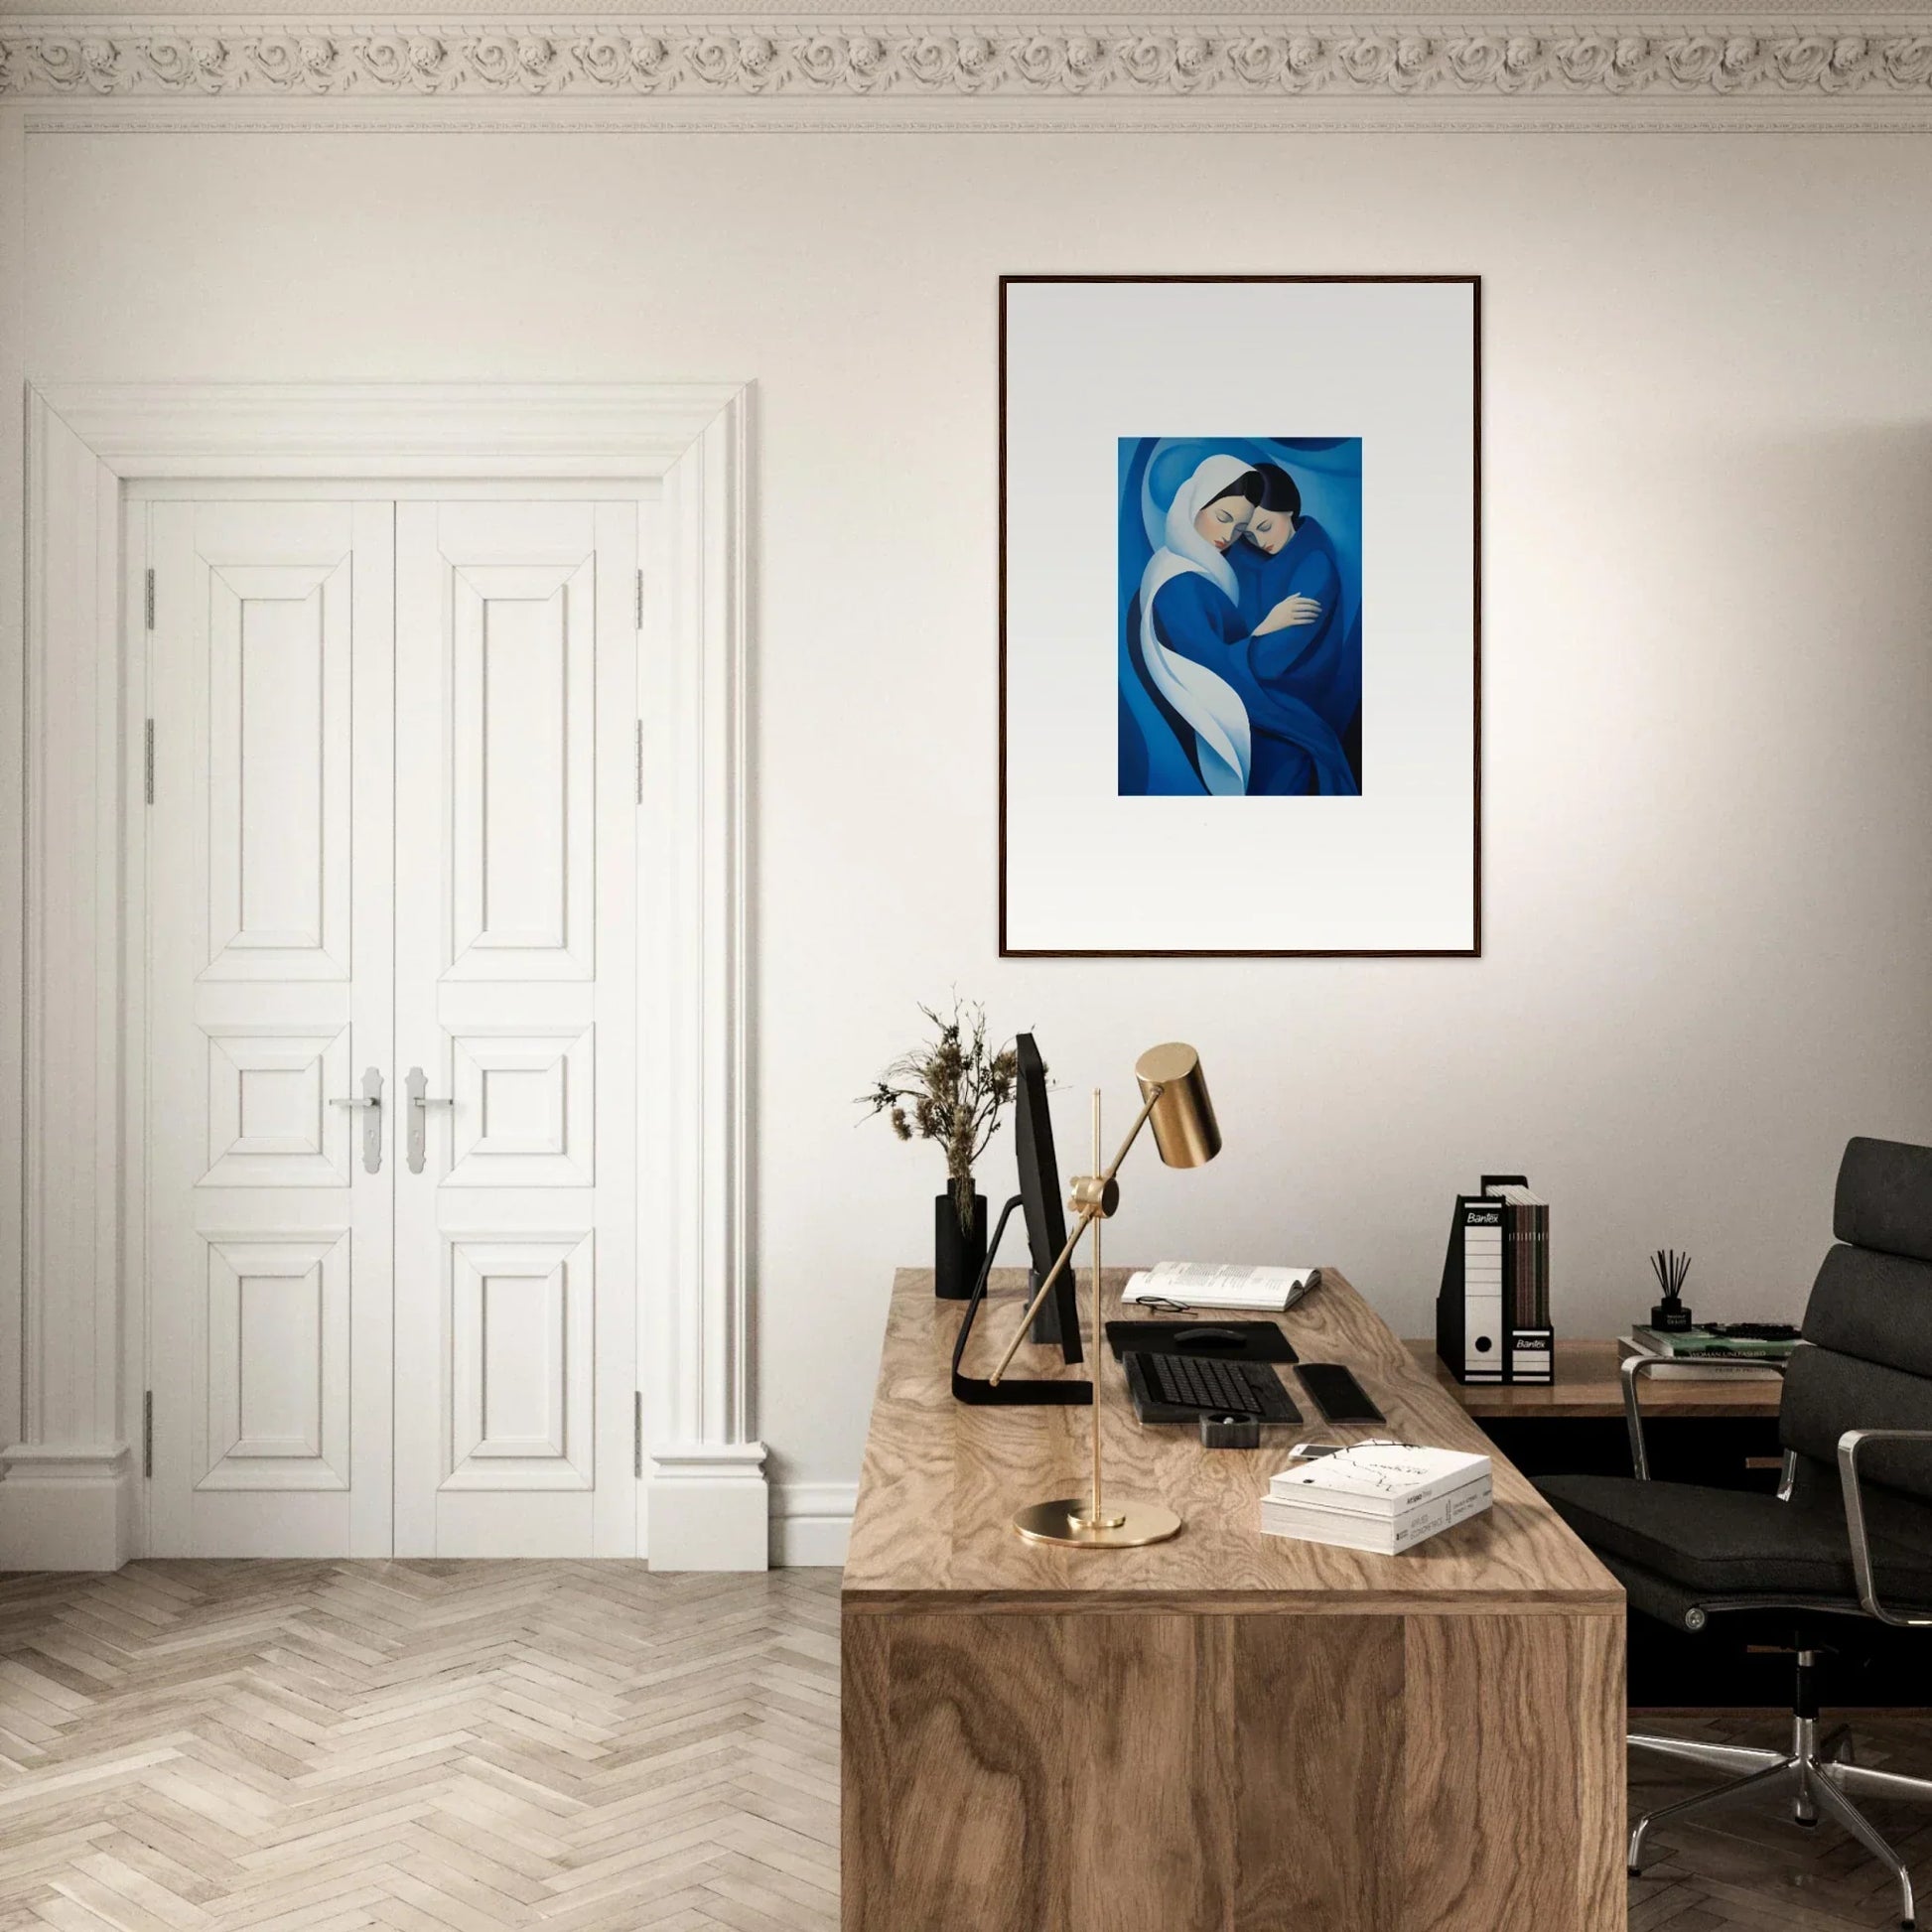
71	1460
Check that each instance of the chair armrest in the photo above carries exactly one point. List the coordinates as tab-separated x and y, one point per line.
1849	1445
1635	1367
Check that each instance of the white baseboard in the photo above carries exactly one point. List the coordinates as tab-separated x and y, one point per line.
708	1508
67	1508
75	1510
811	1524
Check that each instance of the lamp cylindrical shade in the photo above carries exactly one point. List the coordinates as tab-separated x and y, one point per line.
1185	1128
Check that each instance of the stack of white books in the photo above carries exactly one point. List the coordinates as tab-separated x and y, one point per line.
1380	1496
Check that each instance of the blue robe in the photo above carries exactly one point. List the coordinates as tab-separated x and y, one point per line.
1295	750
1318	664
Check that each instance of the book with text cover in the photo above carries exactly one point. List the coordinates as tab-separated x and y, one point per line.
1388	1535
1380	1477
1743	1360
1378	1496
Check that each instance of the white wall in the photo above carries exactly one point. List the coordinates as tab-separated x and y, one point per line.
1706	646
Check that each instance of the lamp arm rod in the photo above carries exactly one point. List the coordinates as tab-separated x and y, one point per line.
1088	1215
1133	1134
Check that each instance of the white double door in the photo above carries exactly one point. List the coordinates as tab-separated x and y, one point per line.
391	1015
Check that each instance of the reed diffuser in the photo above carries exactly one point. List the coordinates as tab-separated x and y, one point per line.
1670	1315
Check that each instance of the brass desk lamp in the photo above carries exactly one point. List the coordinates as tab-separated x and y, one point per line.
1174	1101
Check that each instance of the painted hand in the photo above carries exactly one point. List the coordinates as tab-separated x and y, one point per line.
1290	611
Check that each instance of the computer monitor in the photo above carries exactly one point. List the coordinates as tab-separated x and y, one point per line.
1040	1196
1038	1200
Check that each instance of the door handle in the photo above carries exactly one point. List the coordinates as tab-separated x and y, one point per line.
371	1100
420	1102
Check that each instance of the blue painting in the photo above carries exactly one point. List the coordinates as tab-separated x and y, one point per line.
1240	643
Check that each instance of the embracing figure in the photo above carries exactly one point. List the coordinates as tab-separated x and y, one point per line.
1233	646
1301	646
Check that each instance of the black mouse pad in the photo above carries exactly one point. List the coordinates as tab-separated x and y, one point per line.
1223	1341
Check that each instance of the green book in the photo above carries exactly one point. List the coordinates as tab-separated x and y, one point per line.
1688	1343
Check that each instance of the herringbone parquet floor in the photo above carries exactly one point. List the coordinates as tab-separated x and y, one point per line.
459	1748
442	1746
1753	1866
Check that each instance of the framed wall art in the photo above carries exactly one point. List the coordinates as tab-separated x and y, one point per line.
1239	615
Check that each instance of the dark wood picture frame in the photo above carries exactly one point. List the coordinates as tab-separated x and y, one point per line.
1474	949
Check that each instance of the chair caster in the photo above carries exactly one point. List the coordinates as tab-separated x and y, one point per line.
1810	1824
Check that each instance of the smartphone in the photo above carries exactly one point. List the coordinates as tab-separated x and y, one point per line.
1338	1394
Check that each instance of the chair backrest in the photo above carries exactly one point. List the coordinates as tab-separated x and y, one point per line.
1869	1326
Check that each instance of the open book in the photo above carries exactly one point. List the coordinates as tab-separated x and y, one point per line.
1212	1285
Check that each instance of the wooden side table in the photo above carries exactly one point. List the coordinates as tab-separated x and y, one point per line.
1588	1387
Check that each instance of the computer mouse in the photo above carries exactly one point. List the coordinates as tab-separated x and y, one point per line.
1209	1339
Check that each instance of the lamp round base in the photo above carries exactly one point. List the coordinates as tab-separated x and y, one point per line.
1064	1521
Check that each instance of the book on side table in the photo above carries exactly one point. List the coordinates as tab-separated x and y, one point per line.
1381	1496
1688	1354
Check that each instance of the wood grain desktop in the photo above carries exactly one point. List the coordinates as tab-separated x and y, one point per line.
1227	1731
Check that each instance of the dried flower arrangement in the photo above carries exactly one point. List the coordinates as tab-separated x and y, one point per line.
951	1090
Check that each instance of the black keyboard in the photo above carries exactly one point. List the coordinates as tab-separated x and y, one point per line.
1205	1387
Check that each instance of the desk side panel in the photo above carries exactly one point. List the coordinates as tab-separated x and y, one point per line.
1128	1774
865	1772
1514	1772
957	1775
1318	1721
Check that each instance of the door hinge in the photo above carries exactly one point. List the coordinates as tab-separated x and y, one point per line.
638	1435
149	598
147	1432
641	760
641	599
147	763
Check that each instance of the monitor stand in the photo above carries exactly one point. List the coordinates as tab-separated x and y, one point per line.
1047	1324
1012	1391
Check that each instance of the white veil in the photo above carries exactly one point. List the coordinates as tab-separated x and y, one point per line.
1208	703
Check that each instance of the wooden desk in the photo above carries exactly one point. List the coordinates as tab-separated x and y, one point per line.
1588	1386
1227	1731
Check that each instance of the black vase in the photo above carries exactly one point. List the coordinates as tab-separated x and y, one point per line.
958	1254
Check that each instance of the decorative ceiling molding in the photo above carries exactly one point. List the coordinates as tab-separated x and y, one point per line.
1236	73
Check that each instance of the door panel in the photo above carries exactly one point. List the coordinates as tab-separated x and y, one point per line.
520	1383
521	718
278	777
269	895
516	692
278	1361
524	1108
270	1121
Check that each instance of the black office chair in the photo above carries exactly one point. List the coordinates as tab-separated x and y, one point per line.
1849	1536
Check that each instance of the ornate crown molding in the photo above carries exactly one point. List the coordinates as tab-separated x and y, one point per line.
1266	67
